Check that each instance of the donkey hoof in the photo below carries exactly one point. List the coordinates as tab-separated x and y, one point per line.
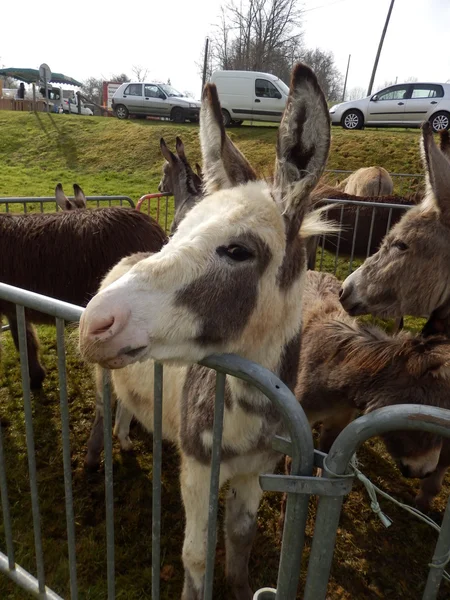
37	379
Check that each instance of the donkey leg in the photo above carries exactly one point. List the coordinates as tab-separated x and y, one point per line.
35	369
122	426
195	479
243	500
430	488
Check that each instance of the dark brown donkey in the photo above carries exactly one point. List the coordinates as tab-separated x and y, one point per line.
348	368
65	255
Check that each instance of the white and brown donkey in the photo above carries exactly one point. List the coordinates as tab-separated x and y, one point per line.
229	280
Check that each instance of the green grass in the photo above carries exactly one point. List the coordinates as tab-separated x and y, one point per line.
107	156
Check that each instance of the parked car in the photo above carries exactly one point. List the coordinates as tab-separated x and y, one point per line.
400	105
70	105
250	95
154	100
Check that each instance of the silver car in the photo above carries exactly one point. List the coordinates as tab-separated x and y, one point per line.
154	100
400	105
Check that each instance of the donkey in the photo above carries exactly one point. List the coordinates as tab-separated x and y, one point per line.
367	181
229	280
180	180
65	255
78	201
410	274
348	368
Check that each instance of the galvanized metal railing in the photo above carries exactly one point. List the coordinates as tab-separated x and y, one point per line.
299	485
41	200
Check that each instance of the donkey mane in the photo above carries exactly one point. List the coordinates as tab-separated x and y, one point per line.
370	349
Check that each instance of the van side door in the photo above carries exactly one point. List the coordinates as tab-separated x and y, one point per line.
268	103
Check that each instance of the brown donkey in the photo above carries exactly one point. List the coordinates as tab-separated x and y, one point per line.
410	274
180	180
348	368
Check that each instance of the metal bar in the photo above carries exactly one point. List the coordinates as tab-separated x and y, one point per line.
166	215
65	430
360	203
392	418
109	492
322	486
389	220
156	475
354	240
26	581
336	256
440	558
5	506
371	231
302	445
23	350
49	306
25	199
216	453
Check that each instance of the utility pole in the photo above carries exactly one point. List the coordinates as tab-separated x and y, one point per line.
205	65
369	91
346	75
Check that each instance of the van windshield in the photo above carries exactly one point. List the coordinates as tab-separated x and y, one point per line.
282	86
170	91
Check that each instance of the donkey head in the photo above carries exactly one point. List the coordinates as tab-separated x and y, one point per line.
387	371
178	177
230	278
410	273
79	200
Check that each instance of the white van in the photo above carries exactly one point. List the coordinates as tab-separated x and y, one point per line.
249	95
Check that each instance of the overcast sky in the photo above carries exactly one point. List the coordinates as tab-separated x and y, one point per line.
83	39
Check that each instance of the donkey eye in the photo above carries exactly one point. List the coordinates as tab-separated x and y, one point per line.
400	245
235	252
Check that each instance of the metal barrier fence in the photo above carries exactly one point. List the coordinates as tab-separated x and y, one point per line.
363	226
405	184
25	200
300	485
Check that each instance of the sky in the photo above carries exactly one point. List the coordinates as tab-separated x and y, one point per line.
167	38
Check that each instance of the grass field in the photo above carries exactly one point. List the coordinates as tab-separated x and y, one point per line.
107	156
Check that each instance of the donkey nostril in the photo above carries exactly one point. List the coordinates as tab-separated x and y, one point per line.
102	326
341	293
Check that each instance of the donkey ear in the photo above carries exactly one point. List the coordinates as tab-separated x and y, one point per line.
79	197
168	155
61	199
429	356
223	164
437	170
302	146
445	143
180	148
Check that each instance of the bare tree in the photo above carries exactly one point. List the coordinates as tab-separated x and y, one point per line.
262	35
139	72
122	78
330	78
356	93
92	88
411	79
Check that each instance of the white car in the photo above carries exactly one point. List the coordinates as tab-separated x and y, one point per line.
69	105
400	105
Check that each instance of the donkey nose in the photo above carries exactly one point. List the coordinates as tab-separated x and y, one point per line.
344	293
105	326
405	470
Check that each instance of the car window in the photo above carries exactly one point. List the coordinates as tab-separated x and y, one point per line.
265	89
151	91
422	90
397	93
134	89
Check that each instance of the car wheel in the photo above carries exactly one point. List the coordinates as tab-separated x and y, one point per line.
440	122
177	115
122	112
226	118
352	119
